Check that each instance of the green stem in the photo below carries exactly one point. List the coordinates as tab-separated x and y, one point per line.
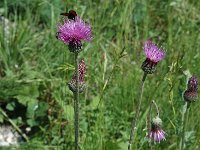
149	124
14	125
76	103
134	122
184	115
157	110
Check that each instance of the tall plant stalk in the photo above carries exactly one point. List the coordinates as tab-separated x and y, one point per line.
134	122
149	123
72	32
184	115
157	110
76	104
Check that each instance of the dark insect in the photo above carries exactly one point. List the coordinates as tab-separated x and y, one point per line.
71	15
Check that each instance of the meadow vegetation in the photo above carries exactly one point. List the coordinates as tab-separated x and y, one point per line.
35	68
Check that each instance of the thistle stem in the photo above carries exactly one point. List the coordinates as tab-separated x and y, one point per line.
157	110
149	124
184	115
76	104
134	122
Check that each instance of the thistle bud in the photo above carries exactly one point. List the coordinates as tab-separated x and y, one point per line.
81	84
193	84
74	88
191	95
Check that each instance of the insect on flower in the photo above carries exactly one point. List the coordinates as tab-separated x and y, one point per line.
71	14
73	32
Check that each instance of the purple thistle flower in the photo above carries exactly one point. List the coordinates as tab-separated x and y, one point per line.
153	56
72	32
193	84
82	72
157	134
190	95
152	52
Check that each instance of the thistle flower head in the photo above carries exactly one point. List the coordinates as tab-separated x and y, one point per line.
193	84
82	71
157	134
153	56
152	52
190	96
72	32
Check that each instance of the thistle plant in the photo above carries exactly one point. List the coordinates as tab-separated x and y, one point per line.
153	56
190	95
72	32
156	133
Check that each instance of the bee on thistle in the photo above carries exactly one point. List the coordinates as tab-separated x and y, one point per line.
73	31
71	14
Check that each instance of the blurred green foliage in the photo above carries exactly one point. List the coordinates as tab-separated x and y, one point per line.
35	67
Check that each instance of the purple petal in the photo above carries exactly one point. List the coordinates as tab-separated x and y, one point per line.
157	135
153	52
76	30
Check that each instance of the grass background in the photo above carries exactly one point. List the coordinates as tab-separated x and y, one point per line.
35	68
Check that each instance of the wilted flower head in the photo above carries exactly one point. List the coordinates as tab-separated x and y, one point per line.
82	72
72	32
153	56
157	134
190	95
